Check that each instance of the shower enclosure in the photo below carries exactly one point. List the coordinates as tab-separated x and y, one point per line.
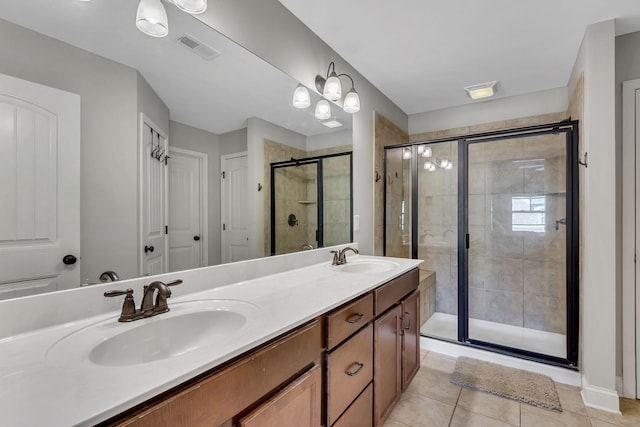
311	203
495	216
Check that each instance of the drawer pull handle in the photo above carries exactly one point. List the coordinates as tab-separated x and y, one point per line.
355	318
352	373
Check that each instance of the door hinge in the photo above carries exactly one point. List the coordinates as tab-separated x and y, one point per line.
224	174
224	227
166	229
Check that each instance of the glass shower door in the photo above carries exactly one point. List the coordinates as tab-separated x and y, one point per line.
517	242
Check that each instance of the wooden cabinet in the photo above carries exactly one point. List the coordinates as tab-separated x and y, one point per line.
346	320
359	413
410	338
396	343
297	405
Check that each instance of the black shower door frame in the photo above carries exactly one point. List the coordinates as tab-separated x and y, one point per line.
571	131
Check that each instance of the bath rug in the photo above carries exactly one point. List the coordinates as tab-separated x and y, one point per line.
516	384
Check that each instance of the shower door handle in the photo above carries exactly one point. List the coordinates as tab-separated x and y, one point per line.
466	237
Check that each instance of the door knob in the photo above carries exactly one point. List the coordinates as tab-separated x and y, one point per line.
69	260
196	238
148	249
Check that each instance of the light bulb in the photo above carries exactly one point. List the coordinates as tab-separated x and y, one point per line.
332	88
323	110
351	102
301	98
406	153
444	163
151	18
427	152
429	166
194	7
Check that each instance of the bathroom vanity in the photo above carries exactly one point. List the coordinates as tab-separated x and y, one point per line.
317	345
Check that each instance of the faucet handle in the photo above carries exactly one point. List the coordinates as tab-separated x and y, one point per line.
174	283
128	306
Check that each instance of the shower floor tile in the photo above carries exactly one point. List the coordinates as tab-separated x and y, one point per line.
442	325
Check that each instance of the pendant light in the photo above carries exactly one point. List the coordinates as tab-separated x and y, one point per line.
194	7
323	110
151	18
332	87
301	97
351	102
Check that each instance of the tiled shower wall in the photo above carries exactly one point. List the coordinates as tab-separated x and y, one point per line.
337	200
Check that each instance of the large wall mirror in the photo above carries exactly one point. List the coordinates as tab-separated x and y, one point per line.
166	131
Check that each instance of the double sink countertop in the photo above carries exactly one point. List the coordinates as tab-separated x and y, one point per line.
85	371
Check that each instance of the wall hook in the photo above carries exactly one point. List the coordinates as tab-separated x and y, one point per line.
583	163
378	176
259	187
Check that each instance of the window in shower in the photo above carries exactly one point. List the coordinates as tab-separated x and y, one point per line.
496	219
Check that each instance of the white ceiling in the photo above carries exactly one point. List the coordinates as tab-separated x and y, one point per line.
422	53
217	95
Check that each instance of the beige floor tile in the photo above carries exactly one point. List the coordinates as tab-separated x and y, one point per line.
598	423
392	423
630	414
571	399
536	417
423	354
434	384
464	418
439	362
499	408
418	411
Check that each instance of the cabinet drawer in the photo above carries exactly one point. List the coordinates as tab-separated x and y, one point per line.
360	412
348	319
349	370
390	293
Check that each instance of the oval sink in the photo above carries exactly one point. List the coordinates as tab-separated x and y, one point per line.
190	326
369	266
164	338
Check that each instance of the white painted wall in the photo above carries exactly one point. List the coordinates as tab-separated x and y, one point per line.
190	138
514	107
270	31
233	142
600	226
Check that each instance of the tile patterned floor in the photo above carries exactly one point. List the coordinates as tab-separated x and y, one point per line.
432	401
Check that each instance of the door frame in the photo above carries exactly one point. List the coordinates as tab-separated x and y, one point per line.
144	119
223	197
630	226
203	196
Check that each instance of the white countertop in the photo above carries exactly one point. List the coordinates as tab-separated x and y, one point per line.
38	388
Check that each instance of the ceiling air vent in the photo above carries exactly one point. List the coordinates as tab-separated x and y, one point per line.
202	50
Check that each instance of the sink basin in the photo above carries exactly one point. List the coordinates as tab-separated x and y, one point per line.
368	266
189	327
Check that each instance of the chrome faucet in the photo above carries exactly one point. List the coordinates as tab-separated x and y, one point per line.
340	257
109	275
148	308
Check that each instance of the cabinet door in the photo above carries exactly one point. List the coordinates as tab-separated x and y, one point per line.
410	338
296	405
387	363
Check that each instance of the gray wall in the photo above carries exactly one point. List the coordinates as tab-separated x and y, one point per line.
152	106
627	68
233	142
109	152
269	30
194	139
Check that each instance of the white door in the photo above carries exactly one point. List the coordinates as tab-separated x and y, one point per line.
235	202
187	209
154	221
39	188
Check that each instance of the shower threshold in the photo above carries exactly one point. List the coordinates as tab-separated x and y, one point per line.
445	326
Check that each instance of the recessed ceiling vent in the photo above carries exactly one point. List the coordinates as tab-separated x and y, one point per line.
202	50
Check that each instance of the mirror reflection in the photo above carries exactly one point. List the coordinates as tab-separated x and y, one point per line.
126	153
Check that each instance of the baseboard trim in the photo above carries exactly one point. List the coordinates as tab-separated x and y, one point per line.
599	397
561	375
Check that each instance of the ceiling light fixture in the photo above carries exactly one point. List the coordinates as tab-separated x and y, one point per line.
301	97
331	88
323	110
482	90
151	17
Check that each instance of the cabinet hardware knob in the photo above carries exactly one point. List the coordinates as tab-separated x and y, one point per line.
355	318
358	369
196	238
